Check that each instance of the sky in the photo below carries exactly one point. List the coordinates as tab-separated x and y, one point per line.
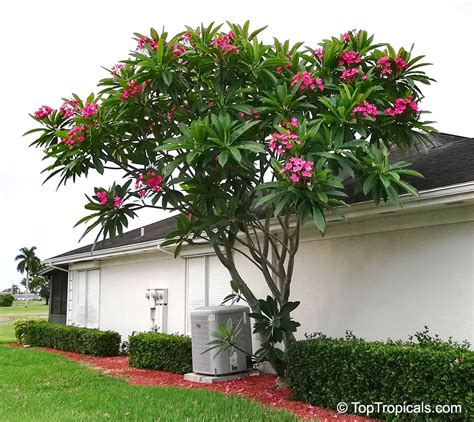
49	50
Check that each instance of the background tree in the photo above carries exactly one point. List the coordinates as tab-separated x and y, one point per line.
28	263
247	141
39	285
14	289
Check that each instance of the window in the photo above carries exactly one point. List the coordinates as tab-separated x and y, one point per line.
207	284
85	298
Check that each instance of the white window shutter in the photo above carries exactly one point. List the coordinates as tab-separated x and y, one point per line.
81	299
74	297
195	287
218	281
93	291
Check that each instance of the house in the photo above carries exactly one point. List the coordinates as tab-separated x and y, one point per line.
380	271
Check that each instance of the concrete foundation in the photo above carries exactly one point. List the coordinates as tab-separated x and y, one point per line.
211	379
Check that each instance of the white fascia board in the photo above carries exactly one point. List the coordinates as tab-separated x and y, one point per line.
432	197
150	246
429	198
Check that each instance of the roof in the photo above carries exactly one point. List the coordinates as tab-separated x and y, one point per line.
449	161
154	231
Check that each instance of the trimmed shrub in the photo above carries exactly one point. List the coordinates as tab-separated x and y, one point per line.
164	352
87	341
6	299
325	371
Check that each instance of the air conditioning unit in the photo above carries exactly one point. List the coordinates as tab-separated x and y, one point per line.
207	319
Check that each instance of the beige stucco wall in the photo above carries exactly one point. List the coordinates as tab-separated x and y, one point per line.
382	278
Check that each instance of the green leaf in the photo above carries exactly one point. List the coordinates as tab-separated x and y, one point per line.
251	146
167	77
267	198
268	185
318	219
223	157
368	183
236	154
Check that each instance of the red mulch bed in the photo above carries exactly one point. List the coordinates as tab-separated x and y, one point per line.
256	388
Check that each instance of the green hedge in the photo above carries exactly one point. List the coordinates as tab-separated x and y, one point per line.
164	352
324	372
69	338
6	299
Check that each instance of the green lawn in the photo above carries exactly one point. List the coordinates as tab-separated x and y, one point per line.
18	310
38	386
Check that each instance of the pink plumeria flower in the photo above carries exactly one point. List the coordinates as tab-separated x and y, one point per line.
118	201
43	111
89	110
102	195
366	109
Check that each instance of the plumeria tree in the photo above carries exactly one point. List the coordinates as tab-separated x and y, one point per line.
247	141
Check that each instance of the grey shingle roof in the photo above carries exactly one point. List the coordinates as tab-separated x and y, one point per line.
152	232
449	161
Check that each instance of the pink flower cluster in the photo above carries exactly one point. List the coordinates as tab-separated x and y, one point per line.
386	65
366	109
173	109
132	89
43	112
298	169
90	109
103	200
116	70
143	41
349	58
401	105
347	35
307	81
76	134
224	42
281	142
118	201
349	74
178	50
318	53
253	113
186	37
69	108
149	180
102	195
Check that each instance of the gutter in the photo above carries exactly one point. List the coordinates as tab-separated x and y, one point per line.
438	196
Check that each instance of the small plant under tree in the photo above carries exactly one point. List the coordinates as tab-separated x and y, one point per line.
247	141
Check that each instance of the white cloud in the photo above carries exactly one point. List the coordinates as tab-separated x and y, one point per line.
50	49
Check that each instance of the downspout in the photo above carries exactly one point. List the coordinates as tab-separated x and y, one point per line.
160	249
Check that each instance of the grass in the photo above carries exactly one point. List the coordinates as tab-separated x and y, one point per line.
18	310
38	386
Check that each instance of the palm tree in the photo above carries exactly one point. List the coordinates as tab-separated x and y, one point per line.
28	262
